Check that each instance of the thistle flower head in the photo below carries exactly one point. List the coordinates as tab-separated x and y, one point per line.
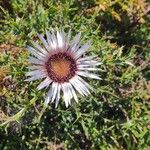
62	66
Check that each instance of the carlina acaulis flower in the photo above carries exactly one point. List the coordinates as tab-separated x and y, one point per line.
63	65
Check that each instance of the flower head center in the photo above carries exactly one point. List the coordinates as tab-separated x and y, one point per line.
61	67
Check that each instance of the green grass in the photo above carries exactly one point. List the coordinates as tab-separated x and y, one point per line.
116	116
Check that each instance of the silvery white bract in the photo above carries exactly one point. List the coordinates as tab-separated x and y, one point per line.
62	66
